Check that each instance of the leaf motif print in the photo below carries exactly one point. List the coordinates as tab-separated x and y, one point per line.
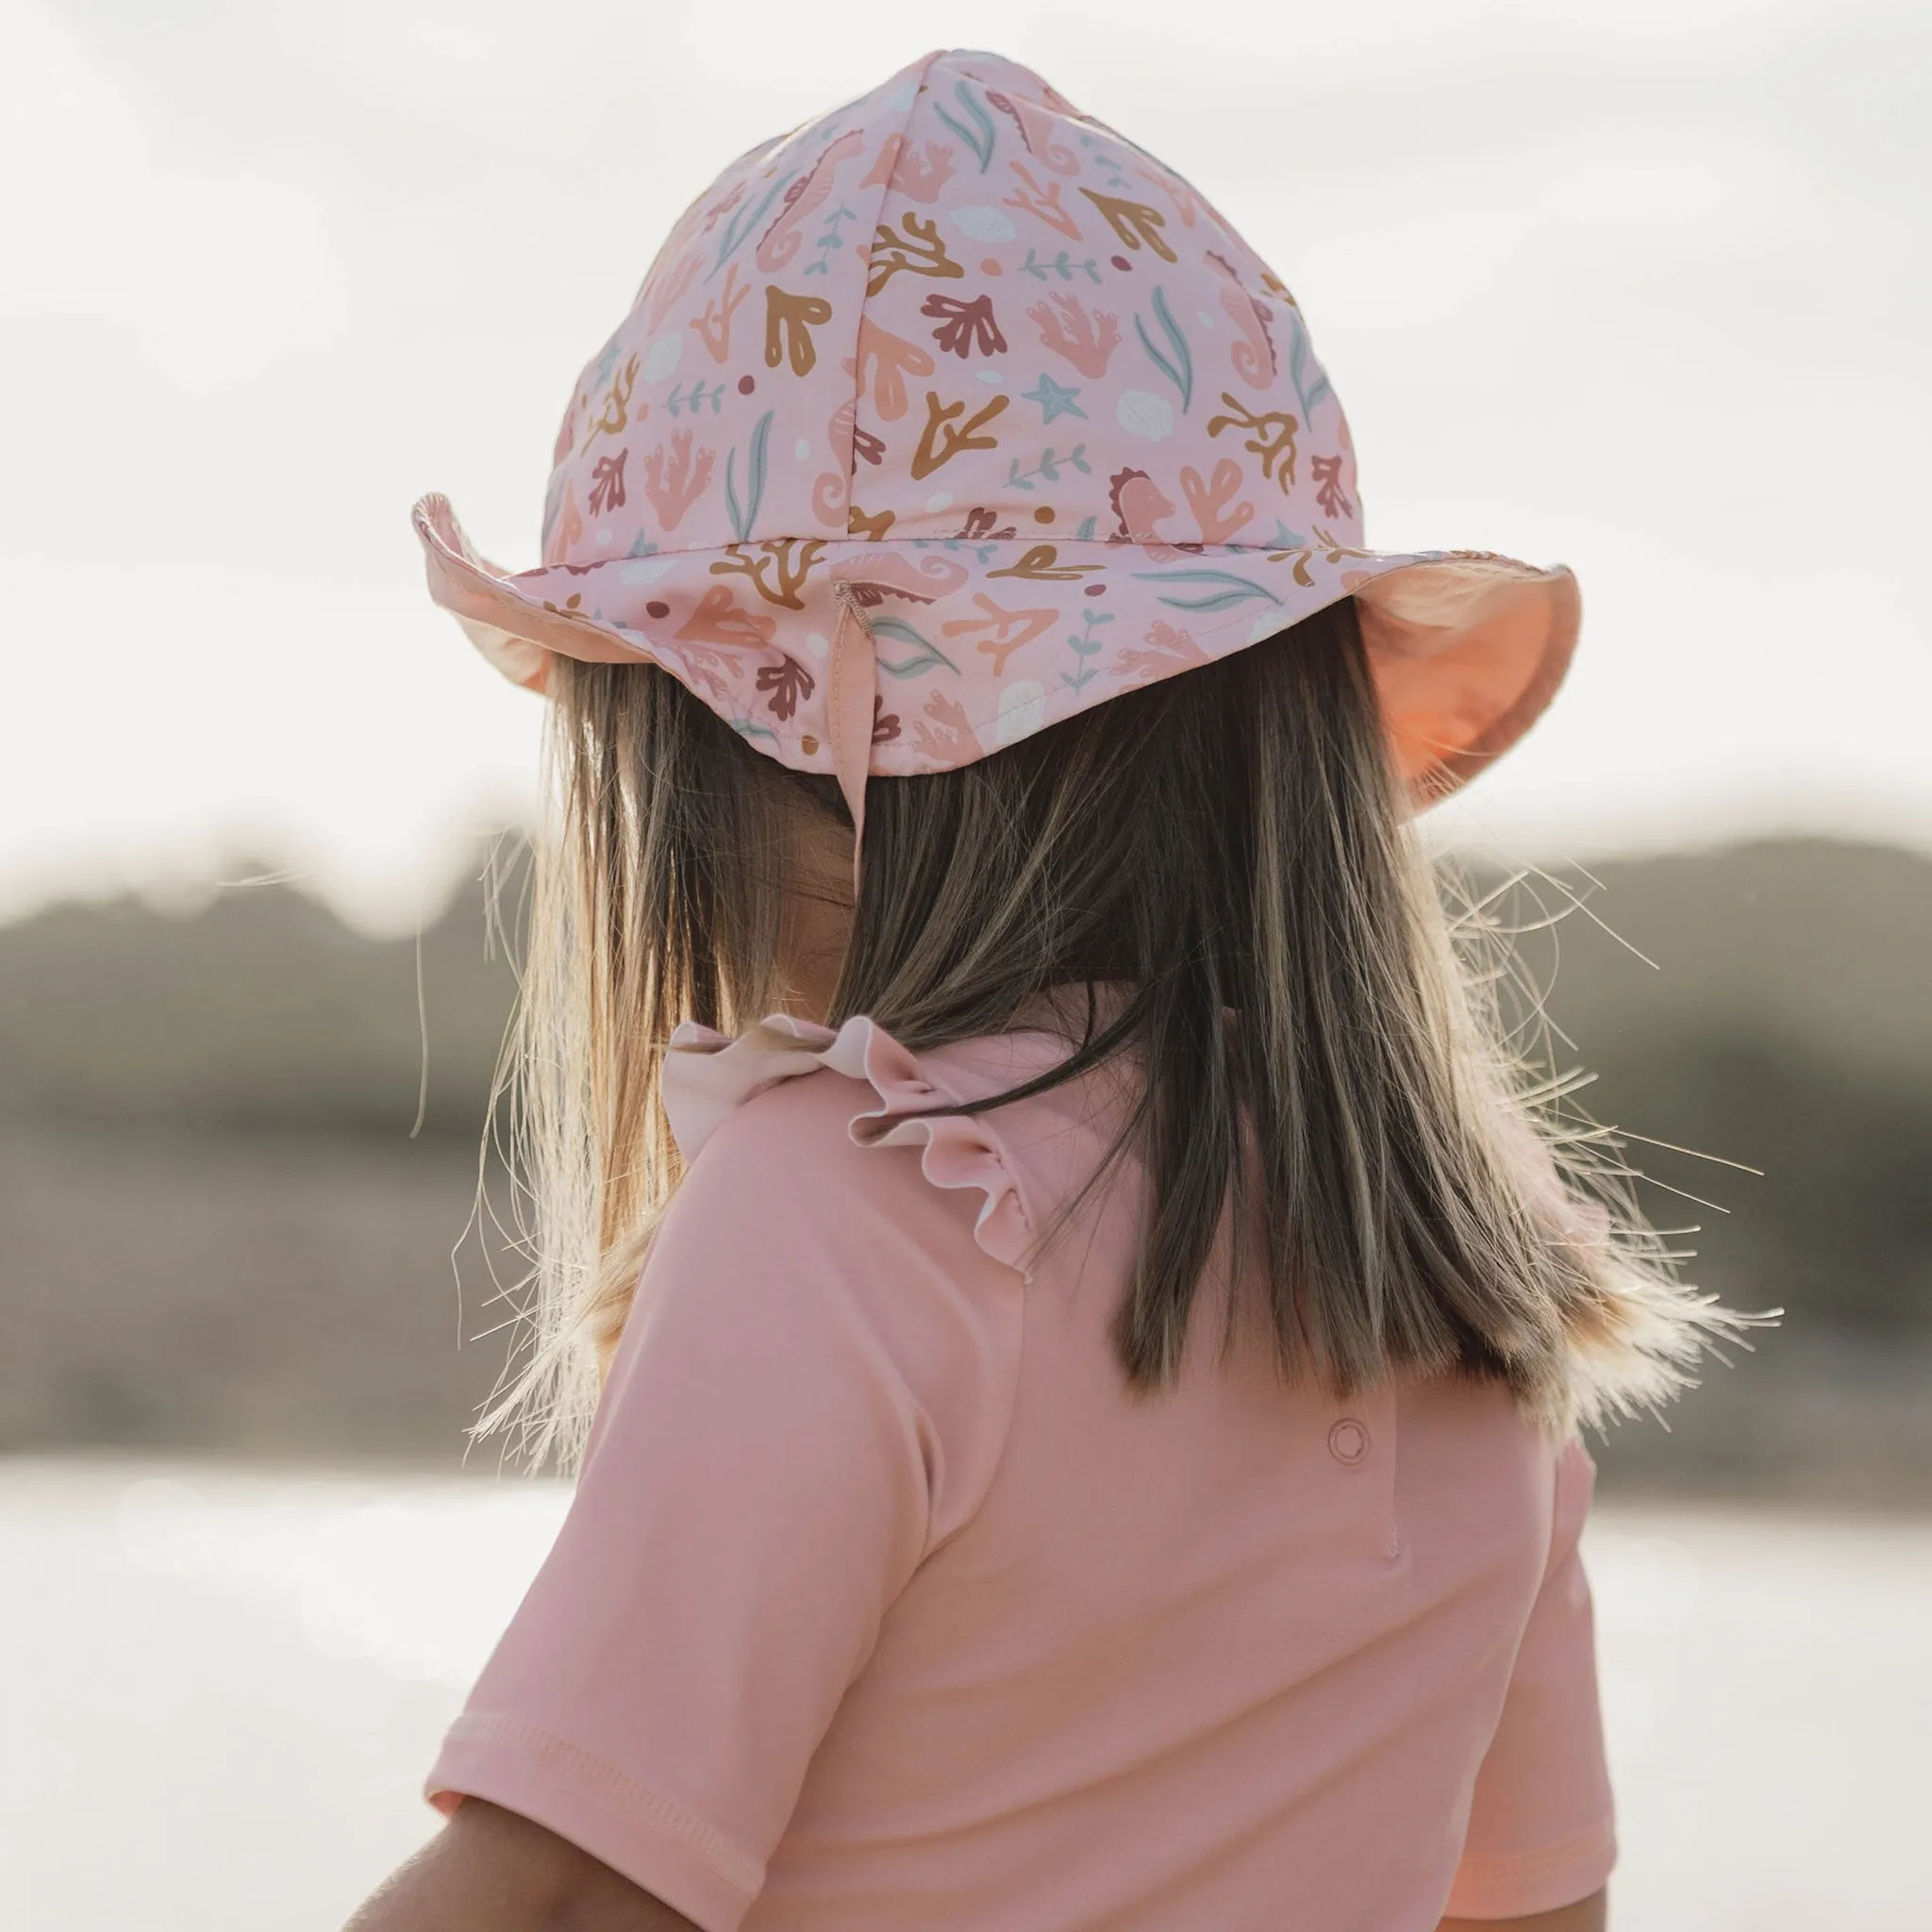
979	135
925	655
743	221
1228	589
1300	353
1177	365
744	515
1041	561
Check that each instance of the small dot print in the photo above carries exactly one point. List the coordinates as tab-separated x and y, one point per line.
1044	514
656	608
1120	261
802	448
1095	589
990	266
746	384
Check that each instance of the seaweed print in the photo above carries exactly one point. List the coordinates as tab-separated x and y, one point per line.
1084	647
919	249
786	681
789	323
672	487
615	414
1176	364
1010	628
1137	222
779	570
894	359
607	482
1031	198
1170	649
1270	437
979	135
941	438
943	735
1211	501
744	515
964	325
1326	470
918	177
713	322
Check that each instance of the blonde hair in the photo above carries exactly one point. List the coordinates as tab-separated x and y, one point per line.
1228	843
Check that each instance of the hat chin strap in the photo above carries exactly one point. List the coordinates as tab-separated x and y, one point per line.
851	701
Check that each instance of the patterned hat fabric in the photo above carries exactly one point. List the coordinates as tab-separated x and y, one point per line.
953	413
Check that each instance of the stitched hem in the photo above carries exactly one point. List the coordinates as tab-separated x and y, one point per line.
652	1840
1538	1881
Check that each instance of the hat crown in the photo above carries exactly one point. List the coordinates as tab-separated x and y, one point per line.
951	311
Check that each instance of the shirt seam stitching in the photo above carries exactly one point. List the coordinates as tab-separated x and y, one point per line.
736	1868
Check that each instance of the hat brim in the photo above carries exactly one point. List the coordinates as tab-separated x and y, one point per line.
1467	648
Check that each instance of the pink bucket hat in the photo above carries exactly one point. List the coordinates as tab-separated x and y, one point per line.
953	413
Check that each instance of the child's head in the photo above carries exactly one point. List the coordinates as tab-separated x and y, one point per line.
960	474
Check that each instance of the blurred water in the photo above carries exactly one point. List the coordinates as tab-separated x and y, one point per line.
219	1690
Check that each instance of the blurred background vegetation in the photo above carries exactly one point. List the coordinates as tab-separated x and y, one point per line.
227	1230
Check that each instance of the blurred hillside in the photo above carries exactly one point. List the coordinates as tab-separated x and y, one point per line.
218	1232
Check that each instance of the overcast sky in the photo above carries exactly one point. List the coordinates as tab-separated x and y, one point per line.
1643	286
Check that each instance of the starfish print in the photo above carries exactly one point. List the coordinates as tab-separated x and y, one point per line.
1054	400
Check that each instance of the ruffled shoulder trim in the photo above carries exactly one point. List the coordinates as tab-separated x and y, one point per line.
708	1075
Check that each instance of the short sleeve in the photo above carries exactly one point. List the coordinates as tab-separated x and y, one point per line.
1542	1829
810	1393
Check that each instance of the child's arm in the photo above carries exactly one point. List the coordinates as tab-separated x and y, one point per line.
489	1869
1587	1915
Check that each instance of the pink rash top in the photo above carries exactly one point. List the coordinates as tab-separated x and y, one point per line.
881	1606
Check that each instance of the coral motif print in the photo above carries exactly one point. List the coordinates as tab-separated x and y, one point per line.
1086	340
960	355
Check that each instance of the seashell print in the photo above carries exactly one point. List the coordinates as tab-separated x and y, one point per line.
1141	412
983	223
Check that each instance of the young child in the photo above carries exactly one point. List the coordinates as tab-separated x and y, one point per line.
1071	1330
